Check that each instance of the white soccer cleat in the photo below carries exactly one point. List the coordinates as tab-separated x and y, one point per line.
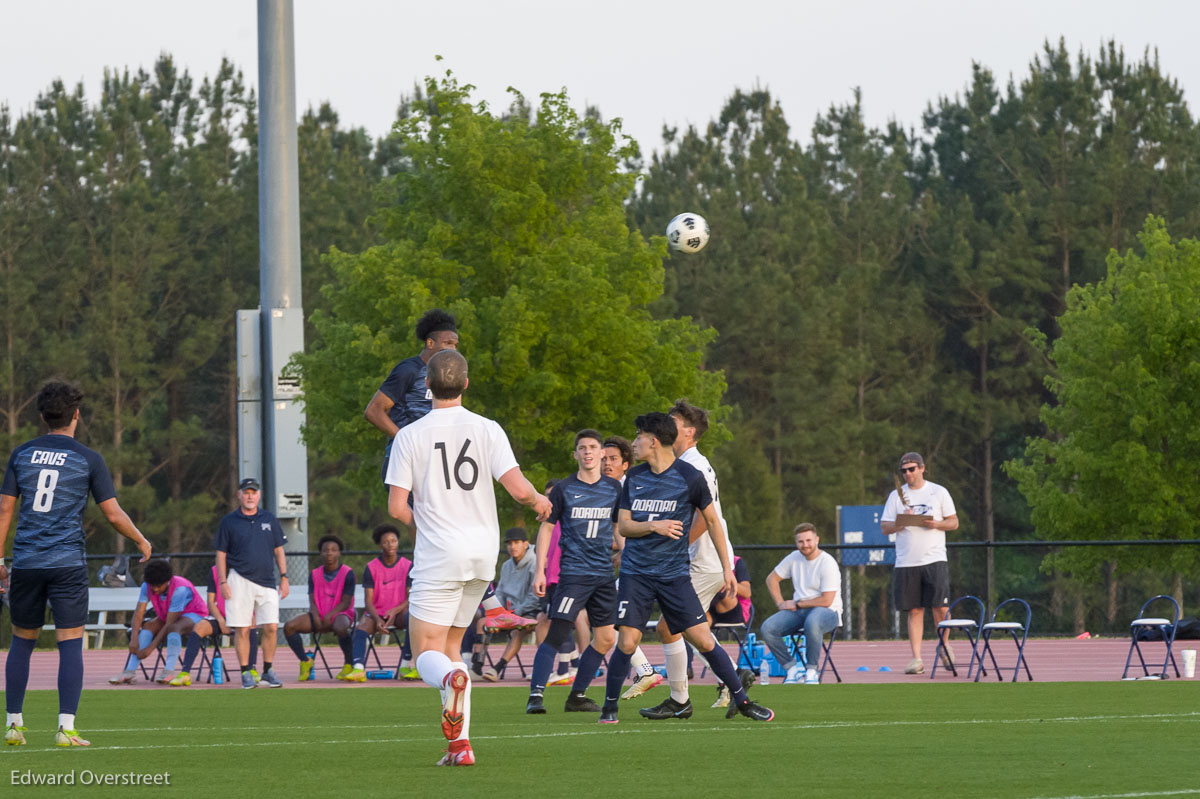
642	684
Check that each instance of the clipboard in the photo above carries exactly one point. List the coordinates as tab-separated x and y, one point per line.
911	519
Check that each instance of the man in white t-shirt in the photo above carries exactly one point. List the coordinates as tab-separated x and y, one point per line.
447	461
814	609
922	576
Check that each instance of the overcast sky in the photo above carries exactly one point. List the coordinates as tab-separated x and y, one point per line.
649	62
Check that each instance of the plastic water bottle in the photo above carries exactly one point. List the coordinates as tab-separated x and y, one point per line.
218	669
764	672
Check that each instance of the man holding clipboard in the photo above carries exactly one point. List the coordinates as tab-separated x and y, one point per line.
919	513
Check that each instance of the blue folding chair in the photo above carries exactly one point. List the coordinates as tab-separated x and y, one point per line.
827	657
1164	626
1012	628
970	627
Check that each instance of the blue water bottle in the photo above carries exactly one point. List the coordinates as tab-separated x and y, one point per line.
218	669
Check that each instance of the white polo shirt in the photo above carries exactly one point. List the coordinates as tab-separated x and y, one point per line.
811	578
918	546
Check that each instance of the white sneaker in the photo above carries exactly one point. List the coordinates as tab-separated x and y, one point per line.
795	675
722	696
812	677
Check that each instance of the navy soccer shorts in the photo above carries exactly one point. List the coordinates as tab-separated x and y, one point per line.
597	594
65	589
680	607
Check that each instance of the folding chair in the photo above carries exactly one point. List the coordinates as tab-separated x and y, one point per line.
1012	628
487	640
969	626
316	652
373	652
827	656
160	660
1164	626
738	631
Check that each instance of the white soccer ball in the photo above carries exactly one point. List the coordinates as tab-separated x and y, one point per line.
687	233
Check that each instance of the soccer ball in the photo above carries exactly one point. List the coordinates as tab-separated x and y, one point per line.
687	233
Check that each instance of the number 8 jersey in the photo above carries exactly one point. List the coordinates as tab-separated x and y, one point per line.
53	475
449	459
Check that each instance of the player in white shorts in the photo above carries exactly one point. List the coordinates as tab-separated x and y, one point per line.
447	461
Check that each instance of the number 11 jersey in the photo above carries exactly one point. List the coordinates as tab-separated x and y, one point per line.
449	459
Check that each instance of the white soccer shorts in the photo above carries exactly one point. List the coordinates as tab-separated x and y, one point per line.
707	585
448	603
250	604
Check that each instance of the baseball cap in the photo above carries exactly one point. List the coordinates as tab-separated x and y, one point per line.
912	457
249	484
515	534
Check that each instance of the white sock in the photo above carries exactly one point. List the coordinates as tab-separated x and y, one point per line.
358	666
491	603
15	718
641	663
433	666
676	654
466	728
66	721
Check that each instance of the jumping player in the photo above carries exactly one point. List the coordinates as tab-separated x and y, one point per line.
52	476
583	505
447	461
659	498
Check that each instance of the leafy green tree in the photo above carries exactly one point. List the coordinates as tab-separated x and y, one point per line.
1118	460
517	226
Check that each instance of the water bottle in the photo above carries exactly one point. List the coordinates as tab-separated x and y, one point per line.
764	672
218	669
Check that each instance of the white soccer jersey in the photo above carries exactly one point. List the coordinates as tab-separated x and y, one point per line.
449	459
918	546
703	553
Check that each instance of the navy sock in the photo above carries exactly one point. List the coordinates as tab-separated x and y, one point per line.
406	650
189	654
16	673
691	651
618	668
70	675
347	647
543	662
253	646
589	662
722	666
360	646
297	646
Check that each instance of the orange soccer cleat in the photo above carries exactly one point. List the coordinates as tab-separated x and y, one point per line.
459	754
498	619
455	685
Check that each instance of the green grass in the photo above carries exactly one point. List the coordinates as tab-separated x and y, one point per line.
864	741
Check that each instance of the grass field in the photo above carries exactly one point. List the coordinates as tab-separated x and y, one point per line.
1001	740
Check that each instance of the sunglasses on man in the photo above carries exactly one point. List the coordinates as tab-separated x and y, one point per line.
907	469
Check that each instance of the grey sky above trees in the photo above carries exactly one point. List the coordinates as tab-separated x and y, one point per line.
648	63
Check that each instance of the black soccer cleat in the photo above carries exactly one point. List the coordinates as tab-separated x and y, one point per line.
534	706
608	715
753	710
668	709
579	703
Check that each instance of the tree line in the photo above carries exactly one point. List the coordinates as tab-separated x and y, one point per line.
866	290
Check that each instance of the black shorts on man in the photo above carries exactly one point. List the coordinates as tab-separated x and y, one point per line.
925	586
597	594
680	606
66	590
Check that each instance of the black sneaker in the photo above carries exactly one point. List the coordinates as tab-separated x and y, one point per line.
608	715
579	703
534	706
753	710
668	709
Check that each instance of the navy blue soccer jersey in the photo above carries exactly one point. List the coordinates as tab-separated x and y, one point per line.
53	475
586	512
405	387
676	493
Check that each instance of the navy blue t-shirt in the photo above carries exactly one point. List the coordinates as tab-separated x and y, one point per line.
586	512
405	386
676	493
53	475
249	544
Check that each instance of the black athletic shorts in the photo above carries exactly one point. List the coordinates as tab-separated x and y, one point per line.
675	596
597	594
925	586
547	600
65	589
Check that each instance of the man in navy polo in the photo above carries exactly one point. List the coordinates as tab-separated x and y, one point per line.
249	546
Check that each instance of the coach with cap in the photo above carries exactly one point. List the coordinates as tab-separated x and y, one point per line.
249	546
919	513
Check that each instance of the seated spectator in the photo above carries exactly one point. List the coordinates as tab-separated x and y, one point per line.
814	609
385	597
178	609
213	624
330	608
732	609
515	592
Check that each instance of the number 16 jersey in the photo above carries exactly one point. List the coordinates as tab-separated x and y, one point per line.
449	459
53	475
